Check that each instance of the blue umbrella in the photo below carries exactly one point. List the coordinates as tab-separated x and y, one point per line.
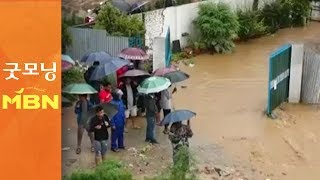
177	116
109	67
101	57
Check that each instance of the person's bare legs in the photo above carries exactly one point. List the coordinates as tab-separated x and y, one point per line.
98	160
133	124
126	126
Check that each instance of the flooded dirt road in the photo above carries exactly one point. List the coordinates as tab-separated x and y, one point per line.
229	94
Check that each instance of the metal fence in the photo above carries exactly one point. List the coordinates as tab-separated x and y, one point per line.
310	91
92	40
279	77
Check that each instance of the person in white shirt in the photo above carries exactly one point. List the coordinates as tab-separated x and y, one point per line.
166	104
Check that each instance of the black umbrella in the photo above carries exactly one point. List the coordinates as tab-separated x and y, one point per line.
100	57
121	5
109	109
176	76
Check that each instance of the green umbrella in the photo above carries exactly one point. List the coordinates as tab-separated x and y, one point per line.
79	88
176	76
154	85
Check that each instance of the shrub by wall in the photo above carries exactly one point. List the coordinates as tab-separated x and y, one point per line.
218	26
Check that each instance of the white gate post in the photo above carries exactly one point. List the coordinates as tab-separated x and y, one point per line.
296	73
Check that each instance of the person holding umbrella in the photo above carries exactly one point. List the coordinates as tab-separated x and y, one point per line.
94	98
151	115
81	109
166	104
150	87
179	135
129	97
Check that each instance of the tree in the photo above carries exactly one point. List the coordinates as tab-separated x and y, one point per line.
66	38
117	23
255	4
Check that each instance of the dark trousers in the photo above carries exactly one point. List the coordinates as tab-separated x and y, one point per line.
117	138
165	113
94	99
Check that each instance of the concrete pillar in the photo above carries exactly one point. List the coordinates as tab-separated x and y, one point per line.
158	53
296	73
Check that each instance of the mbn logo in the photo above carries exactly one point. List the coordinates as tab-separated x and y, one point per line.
30	101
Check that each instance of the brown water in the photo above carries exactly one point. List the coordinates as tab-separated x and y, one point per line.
229	94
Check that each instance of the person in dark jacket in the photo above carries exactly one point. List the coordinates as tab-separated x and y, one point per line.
81	110
99	125
117	124
129	97
94	98
151	116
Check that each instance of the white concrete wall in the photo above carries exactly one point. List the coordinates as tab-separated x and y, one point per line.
315	15
180	19
296	73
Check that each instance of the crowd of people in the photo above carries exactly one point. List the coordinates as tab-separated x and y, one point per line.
126	97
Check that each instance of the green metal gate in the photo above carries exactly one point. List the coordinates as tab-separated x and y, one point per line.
279	77
168	48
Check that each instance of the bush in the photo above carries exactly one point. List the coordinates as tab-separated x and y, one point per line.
295	12
182	170
117	23
271	14
218	26
109	170
250	25
66	38
285	13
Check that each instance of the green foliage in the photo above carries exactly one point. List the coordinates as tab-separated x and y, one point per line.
285	13
218	26
295	12
159	4
271	14
180	56
181	2
66	38
250	25
117	23
182	170
74	20
108	170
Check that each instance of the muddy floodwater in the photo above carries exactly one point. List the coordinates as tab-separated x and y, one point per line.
229	94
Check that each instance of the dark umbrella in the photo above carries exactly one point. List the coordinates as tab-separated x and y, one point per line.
134	54
121	5
178	116
176	76
100	57
138	7
107	68
135	73
109	109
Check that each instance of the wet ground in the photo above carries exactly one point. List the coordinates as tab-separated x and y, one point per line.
229	94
